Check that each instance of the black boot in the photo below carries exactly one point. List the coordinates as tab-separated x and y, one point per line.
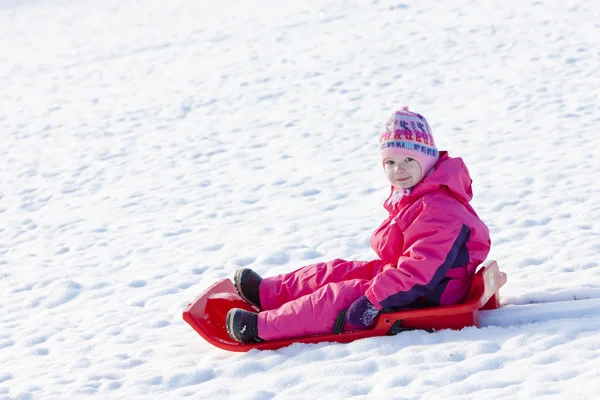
246	283
242	325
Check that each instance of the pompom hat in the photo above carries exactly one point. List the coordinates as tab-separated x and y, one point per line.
407	134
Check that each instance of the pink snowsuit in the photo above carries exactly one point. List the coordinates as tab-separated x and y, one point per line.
428	248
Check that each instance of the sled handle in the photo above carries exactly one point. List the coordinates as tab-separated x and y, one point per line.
338	327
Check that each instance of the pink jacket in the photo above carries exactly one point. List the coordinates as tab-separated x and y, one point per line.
432	241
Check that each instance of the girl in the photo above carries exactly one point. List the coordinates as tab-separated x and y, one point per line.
429	248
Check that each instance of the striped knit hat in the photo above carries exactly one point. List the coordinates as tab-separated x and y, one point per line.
407	134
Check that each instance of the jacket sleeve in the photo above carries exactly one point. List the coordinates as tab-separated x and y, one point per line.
431	245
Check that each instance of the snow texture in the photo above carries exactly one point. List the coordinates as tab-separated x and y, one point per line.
152	147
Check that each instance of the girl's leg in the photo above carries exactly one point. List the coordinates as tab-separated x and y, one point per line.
311	314
278	290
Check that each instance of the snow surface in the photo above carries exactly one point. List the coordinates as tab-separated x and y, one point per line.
152	147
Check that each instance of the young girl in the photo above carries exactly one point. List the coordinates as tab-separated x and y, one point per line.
428	248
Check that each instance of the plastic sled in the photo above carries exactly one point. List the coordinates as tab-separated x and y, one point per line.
206	314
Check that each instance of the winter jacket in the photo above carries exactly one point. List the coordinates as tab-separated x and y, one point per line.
431	242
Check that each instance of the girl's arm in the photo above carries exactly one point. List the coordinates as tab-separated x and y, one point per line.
433	242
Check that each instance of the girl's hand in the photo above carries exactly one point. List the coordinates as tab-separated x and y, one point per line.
361	313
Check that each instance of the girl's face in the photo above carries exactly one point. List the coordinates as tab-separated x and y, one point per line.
402	172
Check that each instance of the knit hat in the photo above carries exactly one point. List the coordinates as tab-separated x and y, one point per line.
407	134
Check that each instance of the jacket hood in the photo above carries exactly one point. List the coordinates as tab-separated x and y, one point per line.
448	172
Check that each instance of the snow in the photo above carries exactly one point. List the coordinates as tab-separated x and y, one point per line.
150	148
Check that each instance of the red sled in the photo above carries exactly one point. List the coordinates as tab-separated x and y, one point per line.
206	314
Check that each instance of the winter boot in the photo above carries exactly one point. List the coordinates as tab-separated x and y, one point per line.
242	325
246	283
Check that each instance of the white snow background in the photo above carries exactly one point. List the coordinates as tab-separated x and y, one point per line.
152	147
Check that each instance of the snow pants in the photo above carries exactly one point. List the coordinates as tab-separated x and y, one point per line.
307	301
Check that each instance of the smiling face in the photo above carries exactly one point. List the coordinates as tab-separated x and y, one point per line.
402	172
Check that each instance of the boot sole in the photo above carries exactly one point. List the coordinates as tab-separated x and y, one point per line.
236	282
229	325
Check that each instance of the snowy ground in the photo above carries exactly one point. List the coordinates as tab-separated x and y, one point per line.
152	147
